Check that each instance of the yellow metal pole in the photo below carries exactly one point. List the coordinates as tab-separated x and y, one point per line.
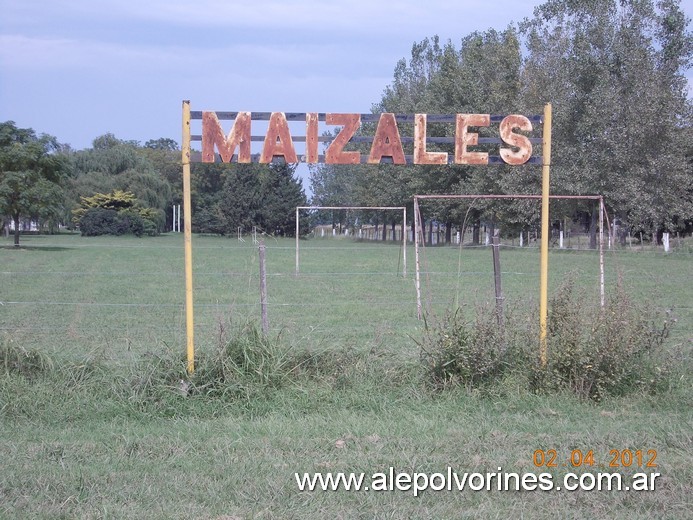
544	267
404	242
187	237
297	232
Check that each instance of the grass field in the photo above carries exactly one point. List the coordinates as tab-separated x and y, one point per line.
94	432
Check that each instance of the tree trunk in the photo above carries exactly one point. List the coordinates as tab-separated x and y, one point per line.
476	231
430	233
394	229
16	230
448	233
593	230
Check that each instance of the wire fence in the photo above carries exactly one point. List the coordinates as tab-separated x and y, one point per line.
123	298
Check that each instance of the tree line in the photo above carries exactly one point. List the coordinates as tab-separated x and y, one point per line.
118	187
614	71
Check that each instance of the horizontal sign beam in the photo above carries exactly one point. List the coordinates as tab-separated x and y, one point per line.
365	118
196	157
381	134
369	139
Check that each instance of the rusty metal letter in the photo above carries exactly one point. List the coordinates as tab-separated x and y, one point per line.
386	141
312	138
213	135
421	156
278	140
335	153
463	138
519	141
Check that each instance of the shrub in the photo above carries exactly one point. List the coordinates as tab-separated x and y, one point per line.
150	228
595	352
247	363
15	359
100	221
459	352
116	213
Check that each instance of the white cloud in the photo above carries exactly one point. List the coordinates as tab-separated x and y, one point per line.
27	53
67	66
263	13
397	17
269	61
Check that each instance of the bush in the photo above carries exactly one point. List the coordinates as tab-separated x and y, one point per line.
132	221
102	221
595	352
150	228
246	364
459	352
15	359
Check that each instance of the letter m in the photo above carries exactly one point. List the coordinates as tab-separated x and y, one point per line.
213	135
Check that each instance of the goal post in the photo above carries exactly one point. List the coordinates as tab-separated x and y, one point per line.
418	229
403	209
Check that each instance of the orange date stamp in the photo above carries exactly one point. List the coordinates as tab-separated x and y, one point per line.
626	458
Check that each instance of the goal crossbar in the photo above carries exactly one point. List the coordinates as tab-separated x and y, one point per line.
403	209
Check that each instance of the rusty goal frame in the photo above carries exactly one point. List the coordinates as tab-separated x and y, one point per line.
417	225
403	209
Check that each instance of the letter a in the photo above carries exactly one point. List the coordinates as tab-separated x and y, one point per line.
278	140
386	141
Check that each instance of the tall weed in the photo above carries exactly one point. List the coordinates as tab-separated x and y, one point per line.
599	351
456	351
593	351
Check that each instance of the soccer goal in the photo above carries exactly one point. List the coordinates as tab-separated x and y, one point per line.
419	238
403	209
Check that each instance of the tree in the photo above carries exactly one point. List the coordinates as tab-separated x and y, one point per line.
481	75
252	195
163	143
113	164
114	213
614	73
31	173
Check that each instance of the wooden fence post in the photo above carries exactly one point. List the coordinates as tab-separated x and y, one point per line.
497	280
263	289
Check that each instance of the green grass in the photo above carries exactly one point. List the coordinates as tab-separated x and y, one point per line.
95	426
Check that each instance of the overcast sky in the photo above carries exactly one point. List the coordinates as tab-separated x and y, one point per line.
77	69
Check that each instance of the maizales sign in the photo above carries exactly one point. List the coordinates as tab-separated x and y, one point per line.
381	136
380	133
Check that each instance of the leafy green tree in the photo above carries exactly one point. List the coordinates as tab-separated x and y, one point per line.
114	213
163	143
614	73
481	75
112	164
31	174
253	195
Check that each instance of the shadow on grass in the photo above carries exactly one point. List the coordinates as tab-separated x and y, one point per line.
33	248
